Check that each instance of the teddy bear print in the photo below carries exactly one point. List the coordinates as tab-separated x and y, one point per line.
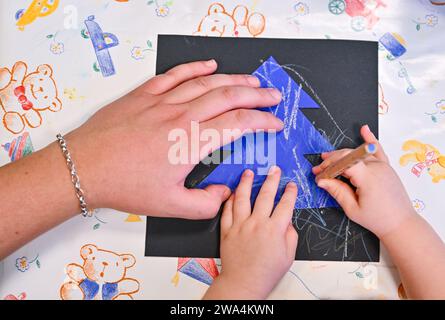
101	277
218	22
23	96
425	157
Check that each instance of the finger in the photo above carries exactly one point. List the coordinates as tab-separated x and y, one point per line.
177	75
342	193
199	204
233	124
357	174
291	241
283	213
195	88
266	197
330	158
221	100
227	217
369	137
241	205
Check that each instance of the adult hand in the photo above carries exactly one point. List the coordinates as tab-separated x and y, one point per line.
122	152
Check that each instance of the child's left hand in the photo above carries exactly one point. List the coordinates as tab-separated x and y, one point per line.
257	246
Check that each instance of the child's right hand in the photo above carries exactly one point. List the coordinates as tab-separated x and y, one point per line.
380	202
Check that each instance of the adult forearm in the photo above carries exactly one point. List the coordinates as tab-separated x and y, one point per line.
36	194
419	255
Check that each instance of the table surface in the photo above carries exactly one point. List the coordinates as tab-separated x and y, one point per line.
411	109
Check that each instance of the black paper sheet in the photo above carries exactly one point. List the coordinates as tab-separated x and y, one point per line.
341	76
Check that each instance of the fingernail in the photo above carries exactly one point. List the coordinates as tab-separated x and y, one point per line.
210	63
280	123
254	81
275	93
273	170
276	124
291	185
248	173
367	127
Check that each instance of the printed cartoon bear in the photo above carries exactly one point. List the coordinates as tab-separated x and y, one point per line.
101	277
218	22
425	156
24	96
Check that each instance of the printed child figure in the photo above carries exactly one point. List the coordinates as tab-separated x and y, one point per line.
24	96
218	22
101	277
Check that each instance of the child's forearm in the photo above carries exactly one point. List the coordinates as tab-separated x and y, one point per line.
419	255
224	289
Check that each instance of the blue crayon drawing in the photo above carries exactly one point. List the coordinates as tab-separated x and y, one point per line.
102	41
298	139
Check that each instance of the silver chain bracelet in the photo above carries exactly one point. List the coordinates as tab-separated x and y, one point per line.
74	176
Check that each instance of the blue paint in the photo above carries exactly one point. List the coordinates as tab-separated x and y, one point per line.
392	45
90	289
194	270
99	40
298	138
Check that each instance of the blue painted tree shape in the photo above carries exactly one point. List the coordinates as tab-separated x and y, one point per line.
298	138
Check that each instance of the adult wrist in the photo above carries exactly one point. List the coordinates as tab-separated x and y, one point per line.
75	179
85	174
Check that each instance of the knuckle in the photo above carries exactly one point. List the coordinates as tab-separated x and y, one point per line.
231	95
242	117
210	212
175	112
203	82
287	202
268	193
335	192
171	75
262	94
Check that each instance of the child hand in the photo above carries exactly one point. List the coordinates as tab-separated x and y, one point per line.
380	202
257	247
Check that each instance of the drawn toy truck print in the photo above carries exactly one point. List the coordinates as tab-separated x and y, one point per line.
362	12
102	41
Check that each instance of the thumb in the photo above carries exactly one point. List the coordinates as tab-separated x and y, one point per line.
369	137
342	193
202	203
